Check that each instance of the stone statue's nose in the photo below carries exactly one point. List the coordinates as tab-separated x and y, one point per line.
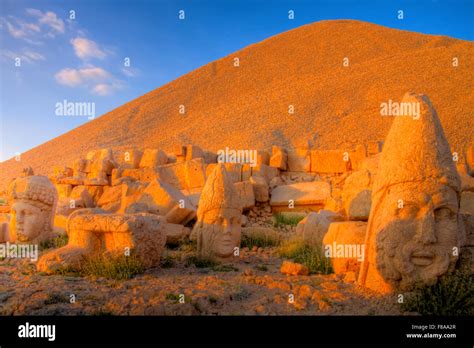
426	229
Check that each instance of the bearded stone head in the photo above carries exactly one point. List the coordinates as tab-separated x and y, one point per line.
415	230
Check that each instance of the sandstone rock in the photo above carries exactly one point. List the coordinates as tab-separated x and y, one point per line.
344	244
470	158
111	194
183	175
301	194
245	192
195	173
279	158
467	203
130	159
143	235
193	151
374	147
299	160
293	268
263	157
131	193
82	193
260	188
153	158
162	199
210	157
246	171
315	225
265	171
234	170
64	190
356	195
176	233
357	157
330	161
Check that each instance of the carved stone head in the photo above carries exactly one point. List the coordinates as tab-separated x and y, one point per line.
218	227
33	202
415	230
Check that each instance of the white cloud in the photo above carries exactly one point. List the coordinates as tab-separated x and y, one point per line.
85	48
26	56
130	72
76	77
98	80
48	19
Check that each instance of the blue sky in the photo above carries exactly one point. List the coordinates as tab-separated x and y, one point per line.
82	59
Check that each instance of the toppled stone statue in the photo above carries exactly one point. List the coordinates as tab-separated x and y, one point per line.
414	231
218	226
33	204
92	233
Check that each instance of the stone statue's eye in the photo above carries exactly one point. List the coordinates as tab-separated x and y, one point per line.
443	213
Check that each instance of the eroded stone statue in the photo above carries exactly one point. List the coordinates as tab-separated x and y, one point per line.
414	231
218	226
33	204
92	232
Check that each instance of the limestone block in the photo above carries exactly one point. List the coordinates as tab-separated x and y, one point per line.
279	158
356	195
329	161
265	171
153	158
260	188
193	151
245	191
299	160
467	203
305	193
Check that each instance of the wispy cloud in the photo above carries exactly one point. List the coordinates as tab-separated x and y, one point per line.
25	56
85	49
97	80
48	19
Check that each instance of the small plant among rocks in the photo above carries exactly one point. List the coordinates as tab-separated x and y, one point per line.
259	239
201	262
55	243
312	256
453	294
56	298
282	219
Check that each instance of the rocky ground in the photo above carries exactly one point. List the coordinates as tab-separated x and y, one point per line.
252	286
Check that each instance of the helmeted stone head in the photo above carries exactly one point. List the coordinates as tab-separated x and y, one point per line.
33	201
218	227
415	230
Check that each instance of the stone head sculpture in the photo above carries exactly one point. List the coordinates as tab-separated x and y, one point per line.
414	231
218	227
33	203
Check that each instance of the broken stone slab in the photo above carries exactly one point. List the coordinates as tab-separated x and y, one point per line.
130	159
299	160
344	245
374	147
234	170
260	188
330	161
467	203
279	158
265	171
163	199
301	194
176	234
245	192
193	151
152	158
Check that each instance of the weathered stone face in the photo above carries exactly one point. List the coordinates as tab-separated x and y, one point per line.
34	199
416	242
415	230
222	232
218	229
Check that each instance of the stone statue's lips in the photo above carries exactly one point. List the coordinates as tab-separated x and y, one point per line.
422	258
